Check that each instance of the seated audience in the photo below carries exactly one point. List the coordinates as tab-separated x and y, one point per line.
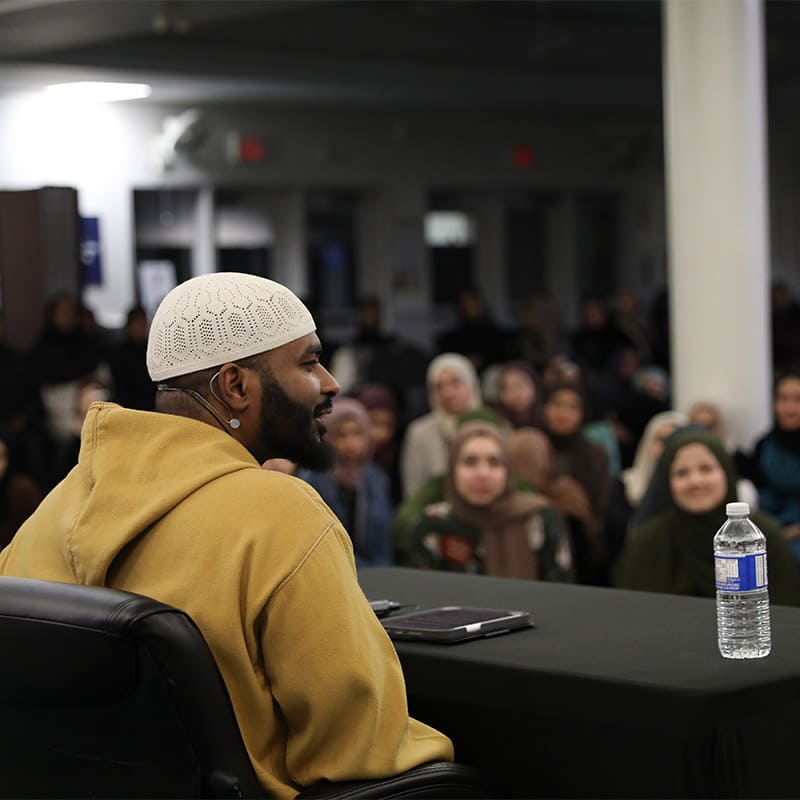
517	394
597	339
629	316
174	505
561	369
603	433
410	511
633	409
785	319
476	335
533	461
709	416
653	381
452	389
356	490
63	355
615	386
384	419
485	525
488	380
671	550
539	331
22	424
132	385
351	363
19	496
629	487
775	463
585	461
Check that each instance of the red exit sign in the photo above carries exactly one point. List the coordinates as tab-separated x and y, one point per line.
245	148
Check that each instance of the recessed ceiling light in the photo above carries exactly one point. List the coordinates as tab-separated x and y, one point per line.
98	91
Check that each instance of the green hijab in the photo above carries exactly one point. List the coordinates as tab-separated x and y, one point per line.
672	549
693	534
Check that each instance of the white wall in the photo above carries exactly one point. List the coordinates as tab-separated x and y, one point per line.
108	151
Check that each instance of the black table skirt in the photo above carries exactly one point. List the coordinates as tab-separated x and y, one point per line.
613	694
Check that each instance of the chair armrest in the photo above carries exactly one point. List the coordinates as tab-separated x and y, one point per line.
431	780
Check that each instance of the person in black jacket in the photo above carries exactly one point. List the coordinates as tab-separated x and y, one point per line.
476	335
132	385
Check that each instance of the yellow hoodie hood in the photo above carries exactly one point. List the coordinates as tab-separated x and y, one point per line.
131	471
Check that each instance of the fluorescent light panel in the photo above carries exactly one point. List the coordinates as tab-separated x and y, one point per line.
98	91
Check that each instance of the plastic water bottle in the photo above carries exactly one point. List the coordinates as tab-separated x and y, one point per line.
740	566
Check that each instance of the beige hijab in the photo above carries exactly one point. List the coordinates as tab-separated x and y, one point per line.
636	478
461	366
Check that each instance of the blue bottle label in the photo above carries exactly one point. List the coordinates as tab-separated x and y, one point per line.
741	573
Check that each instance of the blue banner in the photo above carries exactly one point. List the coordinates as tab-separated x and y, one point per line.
90	252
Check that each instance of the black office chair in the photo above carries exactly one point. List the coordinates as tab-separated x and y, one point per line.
109	694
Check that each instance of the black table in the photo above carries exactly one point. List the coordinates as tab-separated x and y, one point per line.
613	694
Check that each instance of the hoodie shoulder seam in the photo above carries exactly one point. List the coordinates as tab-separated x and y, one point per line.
302	561
71	537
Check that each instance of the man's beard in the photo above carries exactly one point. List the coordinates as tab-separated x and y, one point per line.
288	430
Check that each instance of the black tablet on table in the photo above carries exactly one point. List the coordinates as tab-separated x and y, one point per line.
449	624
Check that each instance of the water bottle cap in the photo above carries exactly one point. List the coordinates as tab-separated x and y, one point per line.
737	509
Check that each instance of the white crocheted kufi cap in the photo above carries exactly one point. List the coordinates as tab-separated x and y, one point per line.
223	316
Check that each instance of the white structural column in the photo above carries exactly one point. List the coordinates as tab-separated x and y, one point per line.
204	245
289	248
715	127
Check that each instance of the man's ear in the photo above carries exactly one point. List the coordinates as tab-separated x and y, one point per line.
235	386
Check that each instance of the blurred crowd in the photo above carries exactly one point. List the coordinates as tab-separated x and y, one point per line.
71	365
530	451
547	453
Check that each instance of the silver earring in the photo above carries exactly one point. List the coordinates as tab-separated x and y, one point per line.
233	422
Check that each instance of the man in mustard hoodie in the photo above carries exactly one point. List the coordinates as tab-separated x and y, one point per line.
173	504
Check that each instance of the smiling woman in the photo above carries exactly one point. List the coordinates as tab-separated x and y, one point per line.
697	480
672	549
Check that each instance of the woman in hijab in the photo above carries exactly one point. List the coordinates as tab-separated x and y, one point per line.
384	418
533	461
411	510
517	394
453	388
672	549
588	463
357	490
486	526
629	487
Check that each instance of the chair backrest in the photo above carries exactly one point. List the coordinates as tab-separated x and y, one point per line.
99	697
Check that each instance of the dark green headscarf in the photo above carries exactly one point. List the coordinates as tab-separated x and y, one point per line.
658	497
672	550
